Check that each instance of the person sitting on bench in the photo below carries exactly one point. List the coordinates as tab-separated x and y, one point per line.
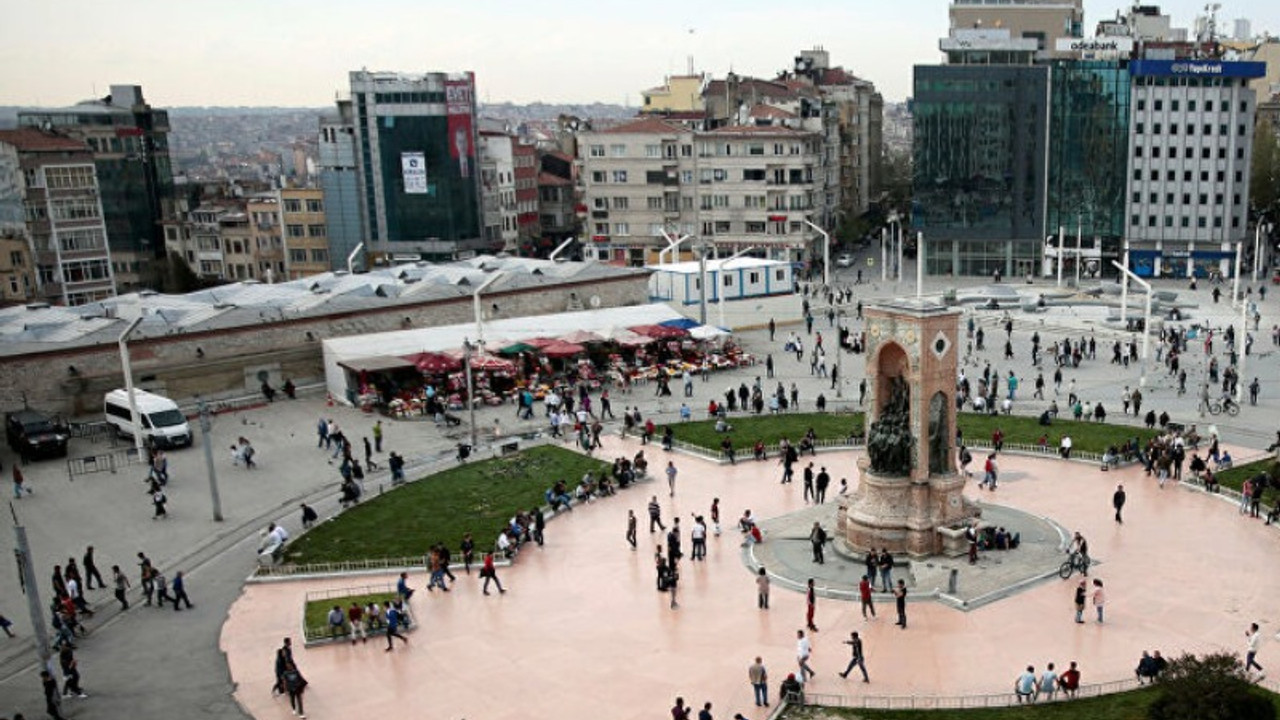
557	496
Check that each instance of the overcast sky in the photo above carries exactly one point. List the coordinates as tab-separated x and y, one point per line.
298	52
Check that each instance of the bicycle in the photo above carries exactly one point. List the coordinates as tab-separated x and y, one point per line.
1075	562
1216	407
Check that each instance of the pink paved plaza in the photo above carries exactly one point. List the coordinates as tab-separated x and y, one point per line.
583	633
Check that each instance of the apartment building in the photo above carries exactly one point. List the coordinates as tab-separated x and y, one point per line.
1045	21
736	187
305	222
49	180
267	248
340	185
17	275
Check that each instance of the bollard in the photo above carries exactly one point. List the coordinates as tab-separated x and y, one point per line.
952	581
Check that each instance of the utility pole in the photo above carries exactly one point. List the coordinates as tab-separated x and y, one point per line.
702	282
206	424
467	348
840	316
27	574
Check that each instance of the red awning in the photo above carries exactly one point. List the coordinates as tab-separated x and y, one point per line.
659	332
563	350
434	363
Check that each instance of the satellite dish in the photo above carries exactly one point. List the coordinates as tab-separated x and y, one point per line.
594	301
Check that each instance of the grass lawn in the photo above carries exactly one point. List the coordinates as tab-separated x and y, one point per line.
1235	477
770	428
1085	436
1130	705
1121	706
316	616
477	497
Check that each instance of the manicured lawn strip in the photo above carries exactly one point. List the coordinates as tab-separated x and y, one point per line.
478	497
1120	706
1085	436
316	616
769	428
1235	477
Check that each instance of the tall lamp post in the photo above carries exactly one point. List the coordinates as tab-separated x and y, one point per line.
206	424
724	265
475	298
704	247
826	253
672	245
31	588
125	366
1146	319
840	317
1257	245
468	348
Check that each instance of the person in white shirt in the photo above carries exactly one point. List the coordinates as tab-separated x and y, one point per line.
1064	447
1253	636
1048	683
803	651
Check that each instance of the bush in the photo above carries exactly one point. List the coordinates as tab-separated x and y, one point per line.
1209	687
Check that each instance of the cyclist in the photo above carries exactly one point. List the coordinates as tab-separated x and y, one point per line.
1080	546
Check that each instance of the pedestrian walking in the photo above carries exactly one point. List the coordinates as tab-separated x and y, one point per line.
900	597
698	538
20	483
161	587
70	673
1082	591
144	573
180	592
91	573
857	660
122	585
1117	502
295	685
817	539
655	514
671	477
762	589
395	618
1252	637
811	605
758	676
50	686
377	436
864	594
631	529
803	651
1099	597
823	480
284	657
490	573
158	500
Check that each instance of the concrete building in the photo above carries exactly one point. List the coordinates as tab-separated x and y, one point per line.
304	219
50	181
267	247
1190	152
735	187
417	152
17	274
129	140
738	279
1045	21
217	341
340	185
678	94
557	201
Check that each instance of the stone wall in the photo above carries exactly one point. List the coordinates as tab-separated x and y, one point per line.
228	360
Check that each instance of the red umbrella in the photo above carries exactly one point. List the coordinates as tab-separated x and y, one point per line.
562	350
489	362
540	342
434	363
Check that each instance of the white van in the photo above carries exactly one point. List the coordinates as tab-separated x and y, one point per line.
163	424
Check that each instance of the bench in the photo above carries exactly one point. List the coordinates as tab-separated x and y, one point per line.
509	448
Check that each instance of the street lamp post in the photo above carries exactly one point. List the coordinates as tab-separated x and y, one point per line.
1257	246
724	265
672	244
206	440
134	416
1235	285
840	316
704	247
475	298
31	588
1079	234
467	349
919	265
1244	344
1146	322
1061	231
826	253
884	254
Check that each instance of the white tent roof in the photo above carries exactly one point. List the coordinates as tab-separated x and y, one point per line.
692	268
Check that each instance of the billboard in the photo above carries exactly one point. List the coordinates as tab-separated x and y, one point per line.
413	168
1117	45
1198	68
459	98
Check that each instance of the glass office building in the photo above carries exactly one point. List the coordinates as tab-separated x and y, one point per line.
979	167
1088	153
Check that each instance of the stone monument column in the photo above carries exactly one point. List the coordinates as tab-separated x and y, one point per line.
909	487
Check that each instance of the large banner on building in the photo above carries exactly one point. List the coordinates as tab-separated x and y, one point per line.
459	97
413	167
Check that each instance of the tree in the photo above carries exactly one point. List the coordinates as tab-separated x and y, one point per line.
1209	687
1264	177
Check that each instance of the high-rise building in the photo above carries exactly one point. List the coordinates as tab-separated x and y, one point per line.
50	182
979	155
130	144
1045	21
340	185
416	150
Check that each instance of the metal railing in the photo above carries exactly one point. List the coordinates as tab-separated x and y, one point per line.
103	462
343	567
951	702
313	634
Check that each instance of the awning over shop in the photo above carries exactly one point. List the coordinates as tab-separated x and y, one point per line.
680	323
429	362
376	363
563	350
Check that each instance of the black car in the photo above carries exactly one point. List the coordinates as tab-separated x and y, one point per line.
32	434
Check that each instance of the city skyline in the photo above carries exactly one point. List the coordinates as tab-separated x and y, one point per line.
296	54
